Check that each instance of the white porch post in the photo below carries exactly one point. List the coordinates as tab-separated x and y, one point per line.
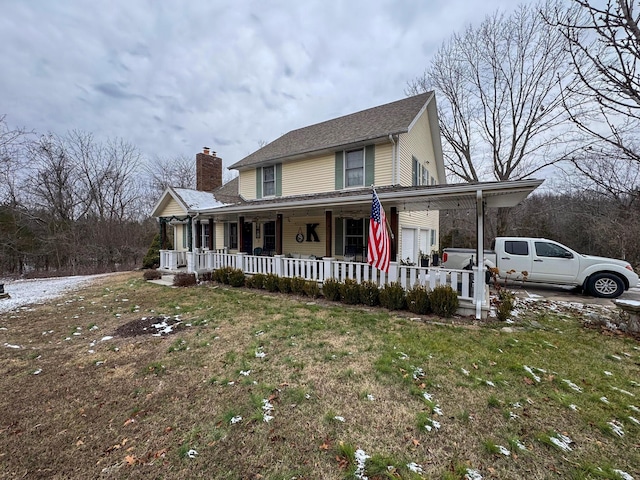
278	267
327	272
479	290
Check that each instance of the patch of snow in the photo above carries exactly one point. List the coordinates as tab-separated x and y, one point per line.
530	371
622	391
572	385
608	374
634	408
192	453
260	354
465	371
361	460
562	441
472	474
427	396
616	428
339	418
633	303
370	397
38	290
604	400
235	419
634	420
245	373
104	339
414	467
573	407
38	371
520	445
503	450
624	475
8	345
198	200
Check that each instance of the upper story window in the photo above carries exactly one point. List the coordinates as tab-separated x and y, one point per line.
269	181
420	174
354	168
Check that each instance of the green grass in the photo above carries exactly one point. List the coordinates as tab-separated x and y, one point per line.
475	382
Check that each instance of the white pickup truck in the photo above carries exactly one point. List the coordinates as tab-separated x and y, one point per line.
546	261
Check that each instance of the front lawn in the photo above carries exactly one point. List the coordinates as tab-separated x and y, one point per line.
130	379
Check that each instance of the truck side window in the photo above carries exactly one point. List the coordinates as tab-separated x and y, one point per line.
516	247
544	249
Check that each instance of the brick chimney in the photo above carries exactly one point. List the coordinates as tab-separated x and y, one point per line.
208	171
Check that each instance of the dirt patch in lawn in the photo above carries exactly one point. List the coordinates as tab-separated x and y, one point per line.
159	326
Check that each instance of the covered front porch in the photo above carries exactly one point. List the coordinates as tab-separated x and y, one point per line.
325	235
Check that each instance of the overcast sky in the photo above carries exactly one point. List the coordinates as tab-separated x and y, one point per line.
174	76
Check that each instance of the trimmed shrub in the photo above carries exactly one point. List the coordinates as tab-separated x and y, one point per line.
392	296
369	294
504	304
284	284
236	277
297	285
184	279
271	282
311	289
221	275
444	301
350	291
331	289
255	281
418	300
152	275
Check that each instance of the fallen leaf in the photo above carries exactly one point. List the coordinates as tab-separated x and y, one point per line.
415	442
528	381
492	470
324	446
160	453
128	421
130	449
79	442
168	429
475	366
124	441
130	459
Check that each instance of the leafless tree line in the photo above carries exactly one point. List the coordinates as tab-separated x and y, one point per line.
553	85
73	204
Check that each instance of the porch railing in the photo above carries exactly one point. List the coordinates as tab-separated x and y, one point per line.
320	269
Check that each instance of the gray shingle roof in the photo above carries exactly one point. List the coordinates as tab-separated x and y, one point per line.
370	124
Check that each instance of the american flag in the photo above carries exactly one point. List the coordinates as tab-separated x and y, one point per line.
379	251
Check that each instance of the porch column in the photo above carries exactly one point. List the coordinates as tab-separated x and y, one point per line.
328	223
240	234
211	233
279	234
479	290
163	234
394	234
198	239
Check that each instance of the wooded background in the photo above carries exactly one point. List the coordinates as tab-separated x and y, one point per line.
550	91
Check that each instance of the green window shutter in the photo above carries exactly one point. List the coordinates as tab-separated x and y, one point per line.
369	165
259	182
212	233
339	170
414	171
190	235
339	236
278	180
226	234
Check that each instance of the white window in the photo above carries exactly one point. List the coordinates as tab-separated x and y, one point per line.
205	236
433	237
269	181
354	168
425	175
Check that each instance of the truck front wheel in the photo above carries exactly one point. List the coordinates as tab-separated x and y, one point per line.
605	285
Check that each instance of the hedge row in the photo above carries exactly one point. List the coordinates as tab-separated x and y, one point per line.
441	301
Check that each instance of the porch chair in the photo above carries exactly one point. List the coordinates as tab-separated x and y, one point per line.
257	251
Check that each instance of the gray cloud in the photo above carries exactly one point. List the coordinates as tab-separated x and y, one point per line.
173	76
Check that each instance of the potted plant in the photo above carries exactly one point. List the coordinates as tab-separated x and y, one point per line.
424	259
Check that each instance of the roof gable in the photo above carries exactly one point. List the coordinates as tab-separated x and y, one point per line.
370	124
189	200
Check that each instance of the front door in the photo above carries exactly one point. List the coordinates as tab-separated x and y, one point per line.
247	238
409	245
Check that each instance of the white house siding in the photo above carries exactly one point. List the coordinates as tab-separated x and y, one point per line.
384	164
290	228
172	208
417	142
312	175
219	240
247	184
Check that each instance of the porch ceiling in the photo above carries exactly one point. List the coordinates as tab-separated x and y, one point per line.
358	202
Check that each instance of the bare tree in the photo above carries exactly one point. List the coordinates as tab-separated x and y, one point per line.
179	172
13	142
500	98
604	46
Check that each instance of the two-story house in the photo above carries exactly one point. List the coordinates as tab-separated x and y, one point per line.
308	194
309	191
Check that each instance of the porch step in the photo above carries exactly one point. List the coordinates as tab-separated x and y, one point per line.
166	280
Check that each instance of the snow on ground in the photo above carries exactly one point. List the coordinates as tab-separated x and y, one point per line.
38	290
